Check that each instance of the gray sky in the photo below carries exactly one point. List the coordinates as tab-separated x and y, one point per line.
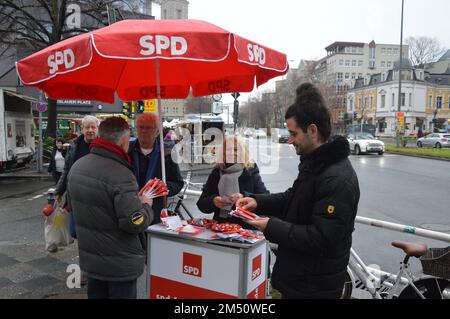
303	28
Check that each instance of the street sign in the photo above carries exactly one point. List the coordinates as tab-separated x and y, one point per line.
41	107
236	95
150	106
217	107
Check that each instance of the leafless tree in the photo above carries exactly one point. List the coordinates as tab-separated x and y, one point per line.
27	26
424	49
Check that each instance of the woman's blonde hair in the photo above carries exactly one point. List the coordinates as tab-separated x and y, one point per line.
243	154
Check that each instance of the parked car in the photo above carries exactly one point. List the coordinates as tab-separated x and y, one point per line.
365	143
280	135
436	140
259	133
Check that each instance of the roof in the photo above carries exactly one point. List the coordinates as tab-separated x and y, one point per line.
339	43
445	56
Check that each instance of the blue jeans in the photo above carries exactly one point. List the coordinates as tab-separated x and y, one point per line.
99	289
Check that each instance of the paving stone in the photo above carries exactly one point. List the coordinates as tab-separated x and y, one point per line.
39	282
48	265
24	252
20	272
6	261
13	292
5	282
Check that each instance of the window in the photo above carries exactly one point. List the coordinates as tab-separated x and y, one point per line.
360	75
347	76
403	97
371	64
383	64
383	101
393	99
347	62
430	101
365	103
389	51
165	14
372	53
439	102
354	62
353	76
347	50
389	64
395	51
360	63
350	104
410	99
353	49
371	102
179	14
340	77
383	51
360	103
341	62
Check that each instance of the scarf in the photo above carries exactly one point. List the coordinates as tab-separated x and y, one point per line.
107	145
229	183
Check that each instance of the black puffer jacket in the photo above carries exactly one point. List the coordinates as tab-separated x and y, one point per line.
102	191
314	223
71	157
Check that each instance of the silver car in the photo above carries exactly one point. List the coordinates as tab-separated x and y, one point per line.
437	140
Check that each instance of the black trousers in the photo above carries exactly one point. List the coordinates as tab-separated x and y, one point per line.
98	289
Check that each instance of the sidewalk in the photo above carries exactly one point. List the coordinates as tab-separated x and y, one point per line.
26	172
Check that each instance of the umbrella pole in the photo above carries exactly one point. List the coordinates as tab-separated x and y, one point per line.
161	138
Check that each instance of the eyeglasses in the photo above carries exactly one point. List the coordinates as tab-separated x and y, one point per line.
141	127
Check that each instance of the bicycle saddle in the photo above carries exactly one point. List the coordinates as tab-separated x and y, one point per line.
411	249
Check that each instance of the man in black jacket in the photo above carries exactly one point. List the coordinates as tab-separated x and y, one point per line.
312	222
109	215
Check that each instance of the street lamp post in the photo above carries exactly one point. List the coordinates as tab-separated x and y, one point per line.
400	129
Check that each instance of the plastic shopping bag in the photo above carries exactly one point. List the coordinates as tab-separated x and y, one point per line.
57	229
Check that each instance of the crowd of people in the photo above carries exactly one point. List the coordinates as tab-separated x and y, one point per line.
99	176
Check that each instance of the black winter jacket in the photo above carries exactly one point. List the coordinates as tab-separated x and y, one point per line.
250	183
109	216
313	223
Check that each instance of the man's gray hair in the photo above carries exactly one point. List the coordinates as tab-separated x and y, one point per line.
90	119
113	129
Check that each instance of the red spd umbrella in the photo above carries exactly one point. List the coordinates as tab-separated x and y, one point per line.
147	59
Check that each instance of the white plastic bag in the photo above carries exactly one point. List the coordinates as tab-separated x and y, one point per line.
57	229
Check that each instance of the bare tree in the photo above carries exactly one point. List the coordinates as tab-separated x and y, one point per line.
424	50
27	26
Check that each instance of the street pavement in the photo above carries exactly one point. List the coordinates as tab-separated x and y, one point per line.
395	188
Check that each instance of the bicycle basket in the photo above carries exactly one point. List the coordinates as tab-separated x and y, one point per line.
436	262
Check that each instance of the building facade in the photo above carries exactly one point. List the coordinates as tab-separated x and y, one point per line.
174	9
424	100
346	62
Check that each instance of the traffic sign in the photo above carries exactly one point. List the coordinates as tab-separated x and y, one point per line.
41	107
217	107
150	106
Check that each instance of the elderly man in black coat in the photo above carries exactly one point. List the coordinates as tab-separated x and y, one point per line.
312	222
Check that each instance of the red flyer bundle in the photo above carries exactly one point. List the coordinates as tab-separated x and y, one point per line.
154	188
243	214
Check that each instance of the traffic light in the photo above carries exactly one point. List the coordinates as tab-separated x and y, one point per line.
140	106
127	109
355	115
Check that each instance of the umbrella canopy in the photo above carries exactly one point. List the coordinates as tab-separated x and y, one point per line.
147	59
124	58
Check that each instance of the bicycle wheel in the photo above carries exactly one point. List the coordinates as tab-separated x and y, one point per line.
430	288
348	287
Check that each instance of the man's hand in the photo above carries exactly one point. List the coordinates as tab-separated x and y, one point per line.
235	197
247	203
259	223
221	202
146	200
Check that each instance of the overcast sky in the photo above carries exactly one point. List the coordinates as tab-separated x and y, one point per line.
302	29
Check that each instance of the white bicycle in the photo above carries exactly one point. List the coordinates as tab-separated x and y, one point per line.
434	284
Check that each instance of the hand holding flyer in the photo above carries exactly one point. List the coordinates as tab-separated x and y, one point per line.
154	188
243	214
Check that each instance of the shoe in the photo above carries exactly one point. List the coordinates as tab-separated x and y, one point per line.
52	248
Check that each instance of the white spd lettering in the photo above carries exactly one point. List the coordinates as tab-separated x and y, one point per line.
256	273
66	58
191	270
256	53
160	43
